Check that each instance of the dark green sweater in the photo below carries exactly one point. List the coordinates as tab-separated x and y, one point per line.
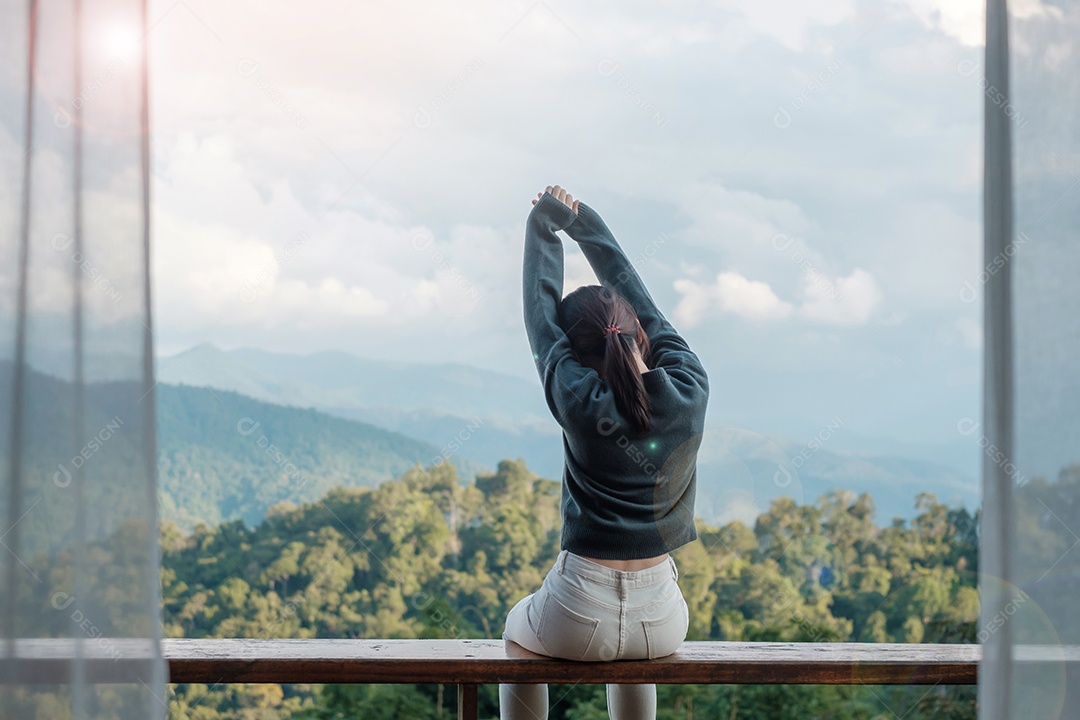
625	494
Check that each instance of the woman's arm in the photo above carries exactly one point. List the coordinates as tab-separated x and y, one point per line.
567	383
614	269
542	272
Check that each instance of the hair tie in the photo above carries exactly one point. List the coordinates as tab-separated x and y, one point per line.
613	328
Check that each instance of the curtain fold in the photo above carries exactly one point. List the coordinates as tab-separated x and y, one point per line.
996	520
79	559
1030	524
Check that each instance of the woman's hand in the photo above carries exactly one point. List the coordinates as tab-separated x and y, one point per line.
560	195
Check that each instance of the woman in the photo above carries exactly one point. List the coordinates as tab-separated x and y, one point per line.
630	397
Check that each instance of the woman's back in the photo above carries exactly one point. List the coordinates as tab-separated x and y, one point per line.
628	493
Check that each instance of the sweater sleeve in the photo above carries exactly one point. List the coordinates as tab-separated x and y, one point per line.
567	383
614	269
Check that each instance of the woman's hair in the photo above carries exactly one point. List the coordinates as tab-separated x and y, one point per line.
584	314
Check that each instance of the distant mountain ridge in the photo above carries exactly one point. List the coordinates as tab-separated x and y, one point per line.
487	417
740	472
225	456
340	379
221	456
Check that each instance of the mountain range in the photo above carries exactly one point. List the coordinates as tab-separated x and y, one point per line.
225	456
222	456
478	417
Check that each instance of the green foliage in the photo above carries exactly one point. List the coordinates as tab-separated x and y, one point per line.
424	556
371	702
224	456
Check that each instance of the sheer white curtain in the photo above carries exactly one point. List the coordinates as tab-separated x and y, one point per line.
79	565
1030	535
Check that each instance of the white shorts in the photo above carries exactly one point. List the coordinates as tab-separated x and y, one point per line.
588	611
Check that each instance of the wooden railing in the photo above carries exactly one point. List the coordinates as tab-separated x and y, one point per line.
470	663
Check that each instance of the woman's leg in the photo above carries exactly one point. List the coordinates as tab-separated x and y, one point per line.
631	702
521	701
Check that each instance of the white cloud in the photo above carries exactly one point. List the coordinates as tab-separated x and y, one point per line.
211	272
731	293
330	298
849	300
927	54
787	22
577	272
965	20
878	171
229	255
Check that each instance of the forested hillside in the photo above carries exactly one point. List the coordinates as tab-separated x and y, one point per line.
427	556
225	456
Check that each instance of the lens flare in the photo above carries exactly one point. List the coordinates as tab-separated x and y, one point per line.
119	41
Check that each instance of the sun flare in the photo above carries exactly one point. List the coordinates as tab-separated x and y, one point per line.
119	41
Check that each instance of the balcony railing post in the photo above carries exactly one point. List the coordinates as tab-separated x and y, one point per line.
467	706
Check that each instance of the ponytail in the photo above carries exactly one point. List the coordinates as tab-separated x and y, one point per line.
622	373
590	316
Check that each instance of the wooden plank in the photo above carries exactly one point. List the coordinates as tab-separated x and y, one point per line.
468	703
491	661
471	662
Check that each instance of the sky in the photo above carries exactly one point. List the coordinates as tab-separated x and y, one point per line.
798	185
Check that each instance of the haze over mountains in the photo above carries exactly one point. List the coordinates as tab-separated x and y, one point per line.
478	417
224	456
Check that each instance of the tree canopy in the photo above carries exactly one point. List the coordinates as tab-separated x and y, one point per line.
426	556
